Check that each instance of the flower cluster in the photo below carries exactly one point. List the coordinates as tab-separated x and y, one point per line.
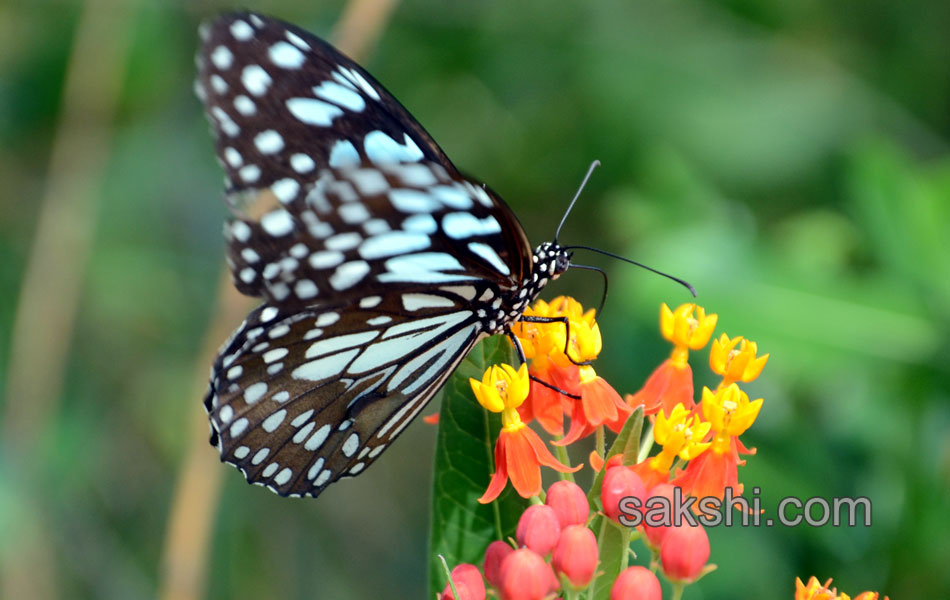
554	552
814	590
560	547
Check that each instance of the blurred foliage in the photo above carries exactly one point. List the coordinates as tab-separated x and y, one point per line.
789	159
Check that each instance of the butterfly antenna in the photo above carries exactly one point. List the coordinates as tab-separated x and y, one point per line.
682	282
590	170
603	298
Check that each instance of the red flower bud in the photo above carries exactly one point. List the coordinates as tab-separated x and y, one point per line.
684	552
538	529
620	483
525	576
468	583
495	554
569	503
658	512
636	583
575	555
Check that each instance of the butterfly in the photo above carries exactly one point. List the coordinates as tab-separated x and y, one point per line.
379	264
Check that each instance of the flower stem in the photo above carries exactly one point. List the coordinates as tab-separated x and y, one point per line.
646	444
625	548
677	590
561	453
600	445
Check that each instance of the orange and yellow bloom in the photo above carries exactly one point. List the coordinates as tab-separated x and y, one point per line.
519	452
672	382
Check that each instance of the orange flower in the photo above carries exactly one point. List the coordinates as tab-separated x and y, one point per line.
519	452
672	382
600	404
814	590
545	404
729	413
681	434
666	387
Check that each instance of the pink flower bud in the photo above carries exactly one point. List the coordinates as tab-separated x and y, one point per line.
684	552
468	583
495	554
656	533
620	483
636	583
569	503
525	576
538	529
575	555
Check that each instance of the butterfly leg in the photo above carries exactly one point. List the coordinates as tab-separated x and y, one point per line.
521	357
567	334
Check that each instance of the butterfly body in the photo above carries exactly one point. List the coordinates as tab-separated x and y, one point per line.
379	264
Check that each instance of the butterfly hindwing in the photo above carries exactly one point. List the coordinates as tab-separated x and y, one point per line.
300	399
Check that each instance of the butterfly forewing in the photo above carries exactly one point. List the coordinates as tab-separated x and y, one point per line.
284	103
379	227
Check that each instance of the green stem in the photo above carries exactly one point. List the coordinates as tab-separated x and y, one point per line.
561	453
677	590
625	545
601	444
646	444
600	536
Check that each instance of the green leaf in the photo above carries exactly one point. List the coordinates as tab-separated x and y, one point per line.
461	528
610	549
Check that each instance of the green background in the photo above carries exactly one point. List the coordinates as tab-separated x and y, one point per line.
789	159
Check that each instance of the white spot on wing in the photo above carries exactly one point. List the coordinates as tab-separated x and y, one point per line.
351	444
413	201
222	57
382	149
277	223
244	105
249	173
284	476
305	289
255	80
325	368
343	154
302	163
370	301
317	439
272	422
349	274
488	253
338	94
419	301
241	31
285	189
296	40
312	111
325	259
255	392
269	142
391	243
286	56
459	225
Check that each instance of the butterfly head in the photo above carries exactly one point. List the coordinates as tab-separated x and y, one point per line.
550	260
